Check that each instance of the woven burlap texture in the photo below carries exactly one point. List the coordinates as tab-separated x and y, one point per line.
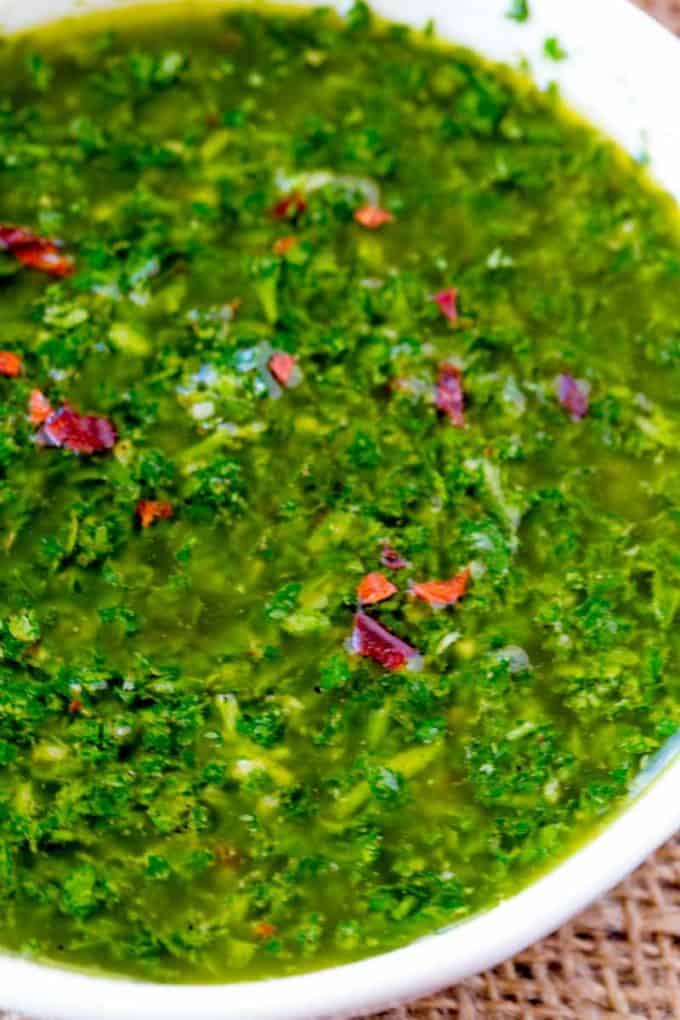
620	960
667	11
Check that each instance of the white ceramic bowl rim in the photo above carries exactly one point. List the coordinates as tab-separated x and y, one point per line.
623	72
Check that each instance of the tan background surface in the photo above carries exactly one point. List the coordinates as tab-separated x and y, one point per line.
620	960
665	10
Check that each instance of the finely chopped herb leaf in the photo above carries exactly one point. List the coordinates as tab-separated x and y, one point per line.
368	510
518	10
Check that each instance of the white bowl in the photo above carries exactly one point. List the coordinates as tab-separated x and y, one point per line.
623	73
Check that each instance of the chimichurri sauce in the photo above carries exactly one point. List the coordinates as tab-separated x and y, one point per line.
339	479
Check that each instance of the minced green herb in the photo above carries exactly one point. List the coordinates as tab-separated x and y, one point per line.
519	10
553	49
303	307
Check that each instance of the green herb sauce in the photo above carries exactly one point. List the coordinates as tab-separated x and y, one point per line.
200	779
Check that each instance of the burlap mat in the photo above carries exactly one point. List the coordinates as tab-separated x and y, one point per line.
620	960
667	11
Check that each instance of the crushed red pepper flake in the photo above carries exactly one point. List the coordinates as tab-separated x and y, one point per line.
371	640
48	260
10	364
282	367
75	706
448	303
151	510
440	594
265	930
372	217
391	559
573	396
449	398
285	244
12	238
35	252
374	588
81	433
289	206
39	407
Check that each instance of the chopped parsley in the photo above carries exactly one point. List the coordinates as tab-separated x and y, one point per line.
554	50
519	10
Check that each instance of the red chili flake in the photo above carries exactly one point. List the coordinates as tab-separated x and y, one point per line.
372	217
36	252
265	930
573	396
285	244
47	260
12	238
372	640
82	433
447	301
375	588
39	408
391	559
443	593
282	366
75	706
449	398
10	364
289	207
151	510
